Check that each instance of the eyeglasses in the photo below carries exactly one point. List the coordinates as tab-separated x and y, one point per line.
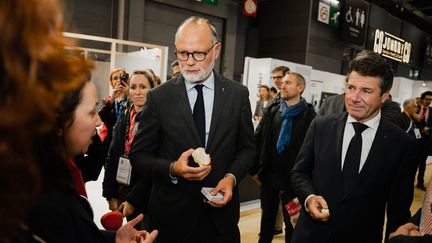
198	56
277	77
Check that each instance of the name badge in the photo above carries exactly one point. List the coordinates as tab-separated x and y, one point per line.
417	133
124	171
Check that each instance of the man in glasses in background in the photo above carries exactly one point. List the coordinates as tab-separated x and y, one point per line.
277	75
197	109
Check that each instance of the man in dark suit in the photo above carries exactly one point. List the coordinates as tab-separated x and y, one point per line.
352	166
197	109
332	104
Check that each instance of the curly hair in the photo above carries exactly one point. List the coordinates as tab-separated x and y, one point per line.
35	76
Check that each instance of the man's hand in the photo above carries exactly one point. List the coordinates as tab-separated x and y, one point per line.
149	237
128	234
180	168
415	117
408	229
126	208
224	187
120	89
113	204
315	205
256	180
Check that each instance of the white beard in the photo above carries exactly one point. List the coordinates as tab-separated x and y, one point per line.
201	76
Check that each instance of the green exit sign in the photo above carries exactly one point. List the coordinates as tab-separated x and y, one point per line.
210	2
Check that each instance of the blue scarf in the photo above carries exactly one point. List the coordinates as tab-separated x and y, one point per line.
286	113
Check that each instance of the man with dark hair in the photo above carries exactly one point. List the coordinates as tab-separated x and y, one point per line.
353	166
198	109
424	124
279	137
277	75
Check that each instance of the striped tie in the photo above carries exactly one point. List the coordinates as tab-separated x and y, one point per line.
426	216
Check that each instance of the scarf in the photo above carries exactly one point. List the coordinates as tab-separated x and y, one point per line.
77	178
286	113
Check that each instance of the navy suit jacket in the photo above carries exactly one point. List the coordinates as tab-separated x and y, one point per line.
386	180
166	130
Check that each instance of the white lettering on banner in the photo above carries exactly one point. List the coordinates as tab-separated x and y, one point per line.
391	46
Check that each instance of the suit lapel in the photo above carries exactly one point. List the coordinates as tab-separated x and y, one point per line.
220	97
181	102
339	129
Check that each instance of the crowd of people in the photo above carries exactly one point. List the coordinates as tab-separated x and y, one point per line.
350	165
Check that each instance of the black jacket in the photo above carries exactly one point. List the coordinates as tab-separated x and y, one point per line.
64	216
110	187
107	114
273	168
92	162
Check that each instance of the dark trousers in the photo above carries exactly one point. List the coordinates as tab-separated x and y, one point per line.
206	231
421	169
144	224
270	199
424	153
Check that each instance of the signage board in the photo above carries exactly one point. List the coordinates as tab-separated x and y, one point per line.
354	21
391	46
328	12
209	2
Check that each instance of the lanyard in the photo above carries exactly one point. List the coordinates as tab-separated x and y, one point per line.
130	129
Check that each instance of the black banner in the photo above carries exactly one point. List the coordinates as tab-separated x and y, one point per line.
354	19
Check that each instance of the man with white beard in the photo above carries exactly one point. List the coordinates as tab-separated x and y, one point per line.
197	109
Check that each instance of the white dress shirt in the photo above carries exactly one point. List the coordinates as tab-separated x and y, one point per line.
368	136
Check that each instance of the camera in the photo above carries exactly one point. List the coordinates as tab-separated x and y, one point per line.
124	77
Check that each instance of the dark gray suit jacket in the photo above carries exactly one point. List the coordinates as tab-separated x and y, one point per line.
333	104
386	180
167	129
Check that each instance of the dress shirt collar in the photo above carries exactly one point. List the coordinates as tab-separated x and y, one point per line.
372	123
208	83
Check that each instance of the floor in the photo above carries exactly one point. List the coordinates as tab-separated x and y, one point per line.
250	219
